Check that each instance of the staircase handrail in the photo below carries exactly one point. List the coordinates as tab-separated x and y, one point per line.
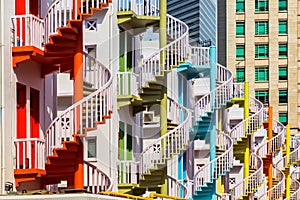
220	164
131	89
199	56
183	127
52	140
108	184
254	180
204	105
296	186
150	68
140	8
274	143
180	187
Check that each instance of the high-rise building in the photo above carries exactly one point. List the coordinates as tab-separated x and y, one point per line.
258	41
200	16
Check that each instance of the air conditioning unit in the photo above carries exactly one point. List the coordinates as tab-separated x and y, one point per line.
149	118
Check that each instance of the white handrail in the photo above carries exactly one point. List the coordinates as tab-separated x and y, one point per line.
219	165
29	153
199	55
128	171
176	188
169	144
128	83
140	7
295	186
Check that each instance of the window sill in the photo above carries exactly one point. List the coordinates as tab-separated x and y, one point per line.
266	58
264	81
282	104
91	159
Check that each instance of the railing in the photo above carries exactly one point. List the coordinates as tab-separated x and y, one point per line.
29	153
128	171
275	142
96	181
30	30
223	196
84	113
218	96
128	83
295	186
27	30
252	182
169	144
238	90
219	165
140	7
199	55
176	188
171	54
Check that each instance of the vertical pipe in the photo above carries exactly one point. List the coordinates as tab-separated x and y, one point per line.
288	151
270	135
213	78
246	115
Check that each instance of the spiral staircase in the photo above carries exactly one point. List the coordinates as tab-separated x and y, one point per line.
59	46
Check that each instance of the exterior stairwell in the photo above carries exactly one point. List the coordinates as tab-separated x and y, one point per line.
63	139
205	178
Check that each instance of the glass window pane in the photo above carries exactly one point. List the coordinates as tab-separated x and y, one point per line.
263	96
240	28
283	96
92	147
283	50
283	118
240	5
283	73
240	51
261	28
261	51
240	74
282	29
261	5
261	74
282	5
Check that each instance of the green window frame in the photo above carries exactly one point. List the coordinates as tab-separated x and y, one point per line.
261	51
282	27
261	74
92	147
283	51
283	96
240	28
262	96
240	51
282	5
261	5
261	28
283	73
283	118
240	5
240	74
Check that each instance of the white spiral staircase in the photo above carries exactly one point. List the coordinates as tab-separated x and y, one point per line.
58	30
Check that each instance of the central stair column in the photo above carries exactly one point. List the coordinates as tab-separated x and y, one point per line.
270	135
246	115
78	95
288	151
163	103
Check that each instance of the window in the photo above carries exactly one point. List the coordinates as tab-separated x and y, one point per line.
261	28
283	51
261	5
283	96
282	5
283	73
91	25
261	74
240	74
262	96
240	51
240	28
261	51
282	28
283	118
92	148
240	5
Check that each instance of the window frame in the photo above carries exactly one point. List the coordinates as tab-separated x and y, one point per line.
266	96
285	116
259	8
242	8
241	25
264	24
283	54
286	27
238	71
242	56
283	93
88	139
286	6
264	55
286	74
265	71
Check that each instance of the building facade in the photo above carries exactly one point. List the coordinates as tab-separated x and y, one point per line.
260	41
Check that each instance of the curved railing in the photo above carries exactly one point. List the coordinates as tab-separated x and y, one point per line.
295	185
176	188
219	165
169	144
86	112
252	182
96	181
140	7
169	55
